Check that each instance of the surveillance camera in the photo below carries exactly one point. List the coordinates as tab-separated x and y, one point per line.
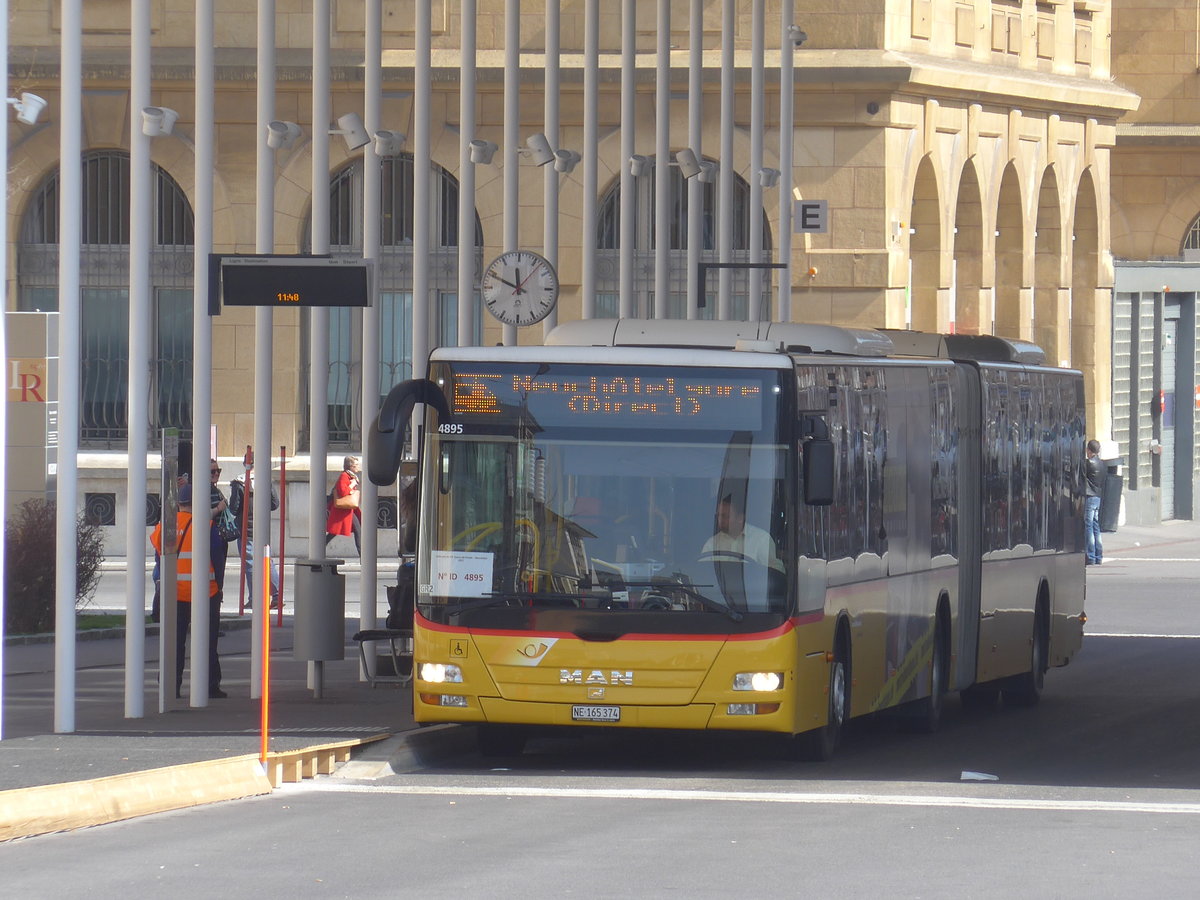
388	143
350	127
158	121
689	166
539	149
282	135
28	108
565	161
797	36
481	152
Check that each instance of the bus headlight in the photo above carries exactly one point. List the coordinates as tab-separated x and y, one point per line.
440	673
757	681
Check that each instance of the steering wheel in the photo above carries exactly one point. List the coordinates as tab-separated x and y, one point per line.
726	556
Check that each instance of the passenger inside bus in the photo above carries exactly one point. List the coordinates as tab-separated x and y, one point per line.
736	539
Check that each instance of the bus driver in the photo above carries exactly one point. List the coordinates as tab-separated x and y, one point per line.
737	540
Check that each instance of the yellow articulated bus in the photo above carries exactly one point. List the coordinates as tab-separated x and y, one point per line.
738	526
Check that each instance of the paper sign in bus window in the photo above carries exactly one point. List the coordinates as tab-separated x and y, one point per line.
460	573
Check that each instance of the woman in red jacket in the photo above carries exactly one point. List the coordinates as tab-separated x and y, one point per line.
344	514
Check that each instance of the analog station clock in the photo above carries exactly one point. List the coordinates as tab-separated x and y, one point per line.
519	287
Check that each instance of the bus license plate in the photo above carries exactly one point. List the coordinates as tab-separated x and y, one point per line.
596	713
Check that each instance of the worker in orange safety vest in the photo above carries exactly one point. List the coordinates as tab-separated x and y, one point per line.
183	595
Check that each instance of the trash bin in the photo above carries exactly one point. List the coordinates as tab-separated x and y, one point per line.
1110	494
319	625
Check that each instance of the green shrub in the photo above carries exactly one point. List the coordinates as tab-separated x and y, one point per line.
29	566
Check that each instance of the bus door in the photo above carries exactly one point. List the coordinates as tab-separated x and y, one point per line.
968	405
907	512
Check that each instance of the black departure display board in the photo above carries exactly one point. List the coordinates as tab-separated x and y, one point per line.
284	282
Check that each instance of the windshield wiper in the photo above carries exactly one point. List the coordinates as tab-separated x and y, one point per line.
705	601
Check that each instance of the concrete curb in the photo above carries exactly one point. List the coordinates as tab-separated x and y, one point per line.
27	812
79	804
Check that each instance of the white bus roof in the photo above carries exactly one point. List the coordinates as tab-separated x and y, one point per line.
697	333
634	356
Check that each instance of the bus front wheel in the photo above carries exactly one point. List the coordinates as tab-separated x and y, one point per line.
819	744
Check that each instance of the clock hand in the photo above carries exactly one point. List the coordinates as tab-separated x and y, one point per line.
515	287
532	272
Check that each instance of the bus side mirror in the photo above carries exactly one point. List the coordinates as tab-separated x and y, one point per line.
818	471
385	439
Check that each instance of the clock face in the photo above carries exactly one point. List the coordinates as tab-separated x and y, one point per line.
519	287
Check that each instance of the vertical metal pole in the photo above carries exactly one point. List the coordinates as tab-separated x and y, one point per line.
512	136
787	96
138	387
3	338
725	202
550	174
423	83
318	317
695	189
466	177
754	308
662	163
70	203
629	305
372	223
201	354
264	320
591	102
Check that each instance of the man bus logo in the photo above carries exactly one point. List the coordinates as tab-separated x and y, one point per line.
576	676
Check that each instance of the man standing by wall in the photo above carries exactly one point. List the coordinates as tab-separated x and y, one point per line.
1094	474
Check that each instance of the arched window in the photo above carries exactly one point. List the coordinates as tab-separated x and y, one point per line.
1191	241
608	263
104	294
394	279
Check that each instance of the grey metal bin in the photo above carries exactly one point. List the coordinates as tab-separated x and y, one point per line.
319	626
1110	493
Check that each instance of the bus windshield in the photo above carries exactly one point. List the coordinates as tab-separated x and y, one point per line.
643	492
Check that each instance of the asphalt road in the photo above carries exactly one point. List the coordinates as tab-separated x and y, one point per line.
1095	796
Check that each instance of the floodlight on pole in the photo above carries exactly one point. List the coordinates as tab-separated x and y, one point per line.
28	107
158	121
481	152
537	148
689	165
565	161
640	165
282	135
389	143
350	127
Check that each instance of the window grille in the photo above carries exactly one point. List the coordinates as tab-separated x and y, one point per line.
104	294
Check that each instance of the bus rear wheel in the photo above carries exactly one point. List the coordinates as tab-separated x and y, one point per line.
1026	689
924	716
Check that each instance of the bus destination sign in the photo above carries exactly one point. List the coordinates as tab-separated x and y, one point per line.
619	396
